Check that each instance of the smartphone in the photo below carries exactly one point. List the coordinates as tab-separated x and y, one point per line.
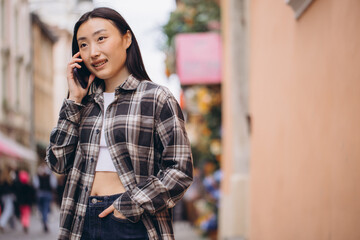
82	75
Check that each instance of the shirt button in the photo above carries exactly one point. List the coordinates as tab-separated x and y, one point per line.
97	131
80	217
86	189
94	200
92	159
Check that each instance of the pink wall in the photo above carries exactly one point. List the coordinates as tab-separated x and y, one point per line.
305	108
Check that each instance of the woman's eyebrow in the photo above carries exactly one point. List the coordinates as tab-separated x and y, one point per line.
97	32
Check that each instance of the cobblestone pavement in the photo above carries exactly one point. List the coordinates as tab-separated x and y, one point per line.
183	230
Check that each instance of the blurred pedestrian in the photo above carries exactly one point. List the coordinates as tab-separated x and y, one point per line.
7	193
193	194
25	193
120	138
45	183
211	184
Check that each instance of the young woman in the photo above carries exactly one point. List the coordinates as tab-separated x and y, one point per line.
121	140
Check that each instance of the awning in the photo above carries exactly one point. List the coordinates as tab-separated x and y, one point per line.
11	148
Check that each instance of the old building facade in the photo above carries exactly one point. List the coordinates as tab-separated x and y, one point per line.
16	77
43	75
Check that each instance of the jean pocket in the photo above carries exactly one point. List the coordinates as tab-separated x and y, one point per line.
121	220
118	228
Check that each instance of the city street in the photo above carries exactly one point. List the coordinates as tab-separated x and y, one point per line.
183	230
35	229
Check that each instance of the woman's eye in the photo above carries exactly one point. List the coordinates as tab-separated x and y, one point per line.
82	45
101	38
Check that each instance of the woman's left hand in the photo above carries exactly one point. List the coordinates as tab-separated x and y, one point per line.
110	210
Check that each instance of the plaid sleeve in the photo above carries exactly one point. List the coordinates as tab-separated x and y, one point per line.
161	192
64	137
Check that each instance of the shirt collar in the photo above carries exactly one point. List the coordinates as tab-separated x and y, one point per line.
130	84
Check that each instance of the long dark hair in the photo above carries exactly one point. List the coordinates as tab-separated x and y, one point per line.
134	62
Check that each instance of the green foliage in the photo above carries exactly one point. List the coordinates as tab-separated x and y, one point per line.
191	16
213	120
202	156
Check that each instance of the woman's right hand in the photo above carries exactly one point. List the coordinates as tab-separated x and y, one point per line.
76	92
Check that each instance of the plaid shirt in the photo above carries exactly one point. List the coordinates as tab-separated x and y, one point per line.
147	141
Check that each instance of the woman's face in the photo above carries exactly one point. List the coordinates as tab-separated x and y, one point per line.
103	48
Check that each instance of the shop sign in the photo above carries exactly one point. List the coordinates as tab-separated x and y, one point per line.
198	58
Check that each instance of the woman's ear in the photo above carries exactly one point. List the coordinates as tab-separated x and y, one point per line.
128	38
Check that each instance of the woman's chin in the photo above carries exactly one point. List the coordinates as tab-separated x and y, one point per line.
102	76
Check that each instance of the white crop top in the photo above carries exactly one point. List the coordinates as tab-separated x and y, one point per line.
105	162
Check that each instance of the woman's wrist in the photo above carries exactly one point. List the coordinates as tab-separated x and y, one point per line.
74	99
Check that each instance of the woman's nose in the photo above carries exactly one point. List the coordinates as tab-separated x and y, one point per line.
94	51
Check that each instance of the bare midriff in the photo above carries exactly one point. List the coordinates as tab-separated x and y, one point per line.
106	183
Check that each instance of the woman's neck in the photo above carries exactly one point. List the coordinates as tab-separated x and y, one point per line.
112	83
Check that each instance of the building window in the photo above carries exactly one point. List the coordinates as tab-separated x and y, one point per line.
2	20
17	85
5	78
299	6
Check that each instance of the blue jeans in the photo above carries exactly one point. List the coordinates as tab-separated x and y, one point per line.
109	227
44	202
8	210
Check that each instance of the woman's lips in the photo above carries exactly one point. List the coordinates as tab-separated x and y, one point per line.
99	64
